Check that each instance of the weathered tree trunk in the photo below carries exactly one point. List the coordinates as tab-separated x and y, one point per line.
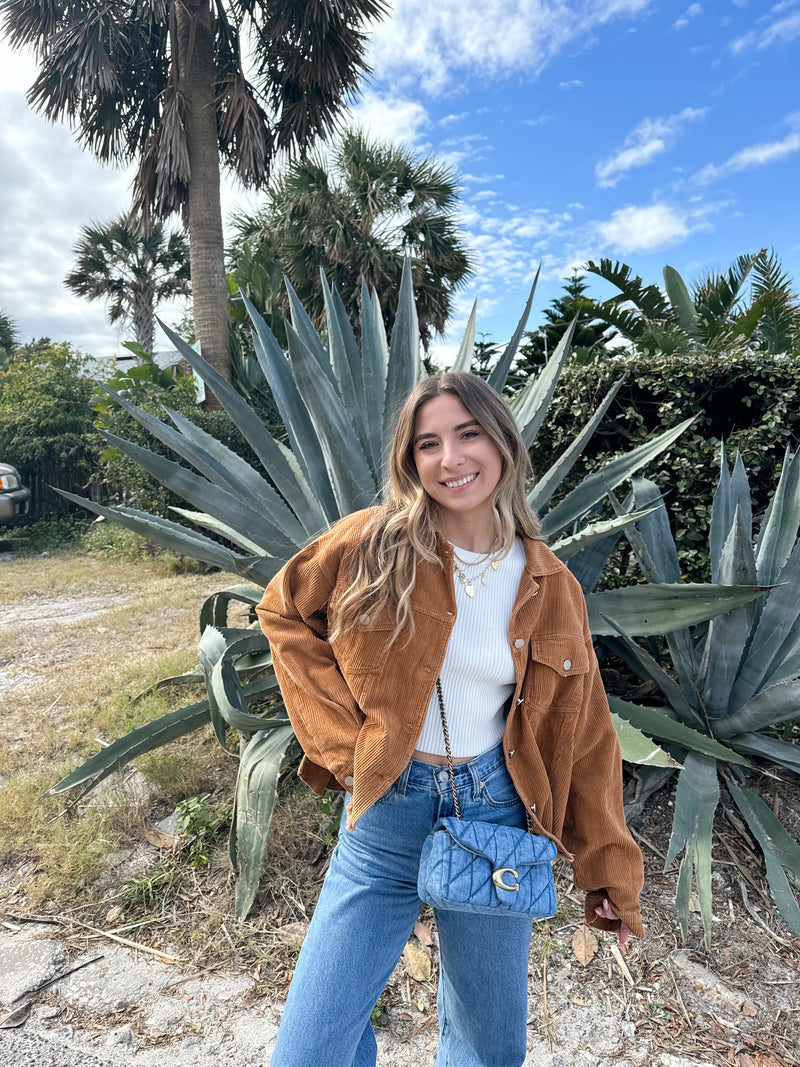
142	318
195	36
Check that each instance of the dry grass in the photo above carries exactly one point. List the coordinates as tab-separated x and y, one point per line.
68	684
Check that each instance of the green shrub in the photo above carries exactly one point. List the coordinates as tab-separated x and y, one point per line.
47	535
46	426
751	401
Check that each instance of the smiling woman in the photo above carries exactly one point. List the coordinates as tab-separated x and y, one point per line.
443	592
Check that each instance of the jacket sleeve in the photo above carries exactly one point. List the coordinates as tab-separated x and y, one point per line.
293	615
607	862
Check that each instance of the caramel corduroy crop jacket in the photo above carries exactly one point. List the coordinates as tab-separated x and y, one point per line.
357	704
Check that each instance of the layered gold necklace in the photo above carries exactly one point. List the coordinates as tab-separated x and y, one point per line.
471	583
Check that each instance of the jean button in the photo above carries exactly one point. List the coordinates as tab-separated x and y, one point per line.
444	777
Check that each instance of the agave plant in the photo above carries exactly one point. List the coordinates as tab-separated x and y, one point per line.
337	403
733	679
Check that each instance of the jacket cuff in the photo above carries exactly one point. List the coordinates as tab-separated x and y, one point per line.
630	915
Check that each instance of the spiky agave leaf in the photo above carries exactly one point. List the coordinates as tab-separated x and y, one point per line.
696	800
747	676
253	808
781	851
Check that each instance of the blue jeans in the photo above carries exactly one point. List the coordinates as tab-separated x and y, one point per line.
365	915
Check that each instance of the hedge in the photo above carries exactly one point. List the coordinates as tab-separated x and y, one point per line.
749	401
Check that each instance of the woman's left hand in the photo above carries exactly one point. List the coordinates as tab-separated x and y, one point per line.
605	911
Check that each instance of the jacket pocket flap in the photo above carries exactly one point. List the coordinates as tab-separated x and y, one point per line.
565	655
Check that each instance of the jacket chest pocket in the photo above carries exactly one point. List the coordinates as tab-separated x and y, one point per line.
557	669
364	649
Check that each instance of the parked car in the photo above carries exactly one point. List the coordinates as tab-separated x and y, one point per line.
15	499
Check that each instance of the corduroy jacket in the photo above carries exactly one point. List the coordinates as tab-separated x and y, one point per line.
357	704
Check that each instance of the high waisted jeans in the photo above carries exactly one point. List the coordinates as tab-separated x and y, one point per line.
366	912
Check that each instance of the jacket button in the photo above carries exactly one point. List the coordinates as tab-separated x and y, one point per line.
349	781
533	808
567	664
364	620
511	753
519	643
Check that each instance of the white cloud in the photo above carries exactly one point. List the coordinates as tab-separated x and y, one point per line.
643	229
430	43
390	118
780	31
691	12
50	188
757	155
574	83
648	140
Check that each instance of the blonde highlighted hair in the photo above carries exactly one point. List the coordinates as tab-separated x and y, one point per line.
403	529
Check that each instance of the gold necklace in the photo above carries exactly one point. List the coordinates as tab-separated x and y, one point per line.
470	583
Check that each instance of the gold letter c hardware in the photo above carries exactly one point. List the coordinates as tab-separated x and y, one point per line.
497	878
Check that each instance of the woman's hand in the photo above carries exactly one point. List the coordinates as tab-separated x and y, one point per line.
605	911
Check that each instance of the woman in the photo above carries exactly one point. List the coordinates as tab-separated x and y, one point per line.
445	579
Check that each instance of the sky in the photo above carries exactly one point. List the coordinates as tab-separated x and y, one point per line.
645	132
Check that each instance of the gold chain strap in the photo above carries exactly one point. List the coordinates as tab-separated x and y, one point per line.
446	733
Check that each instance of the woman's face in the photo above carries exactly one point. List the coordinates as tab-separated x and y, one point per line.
458	463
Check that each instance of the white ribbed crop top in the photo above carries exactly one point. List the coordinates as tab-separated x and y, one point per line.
478	670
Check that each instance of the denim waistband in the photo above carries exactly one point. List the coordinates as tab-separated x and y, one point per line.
437	779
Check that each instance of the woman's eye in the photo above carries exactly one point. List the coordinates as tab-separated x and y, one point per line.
470	433
425	446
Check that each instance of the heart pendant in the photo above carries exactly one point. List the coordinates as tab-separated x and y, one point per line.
469	590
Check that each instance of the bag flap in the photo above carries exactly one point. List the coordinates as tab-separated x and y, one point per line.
502	846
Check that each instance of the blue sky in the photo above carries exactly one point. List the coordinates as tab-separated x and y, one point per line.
648	132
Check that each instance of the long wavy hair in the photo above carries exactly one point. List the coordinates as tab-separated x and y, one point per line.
403	529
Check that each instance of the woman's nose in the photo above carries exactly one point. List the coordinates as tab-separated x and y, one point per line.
451	454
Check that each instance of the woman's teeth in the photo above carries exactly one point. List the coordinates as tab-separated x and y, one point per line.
461	481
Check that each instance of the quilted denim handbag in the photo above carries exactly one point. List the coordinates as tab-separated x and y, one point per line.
478	866
482	867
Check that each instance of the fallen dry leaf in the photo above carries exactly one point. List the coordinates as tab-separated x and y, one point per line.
113	914
293	934
16	1017
749	1009
584	945
158	838
423	934
744	1060
417	962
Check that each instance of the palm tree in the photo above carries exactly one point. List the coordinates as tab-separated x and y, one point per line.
132	272
162	83
715	316
357	213
8	335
